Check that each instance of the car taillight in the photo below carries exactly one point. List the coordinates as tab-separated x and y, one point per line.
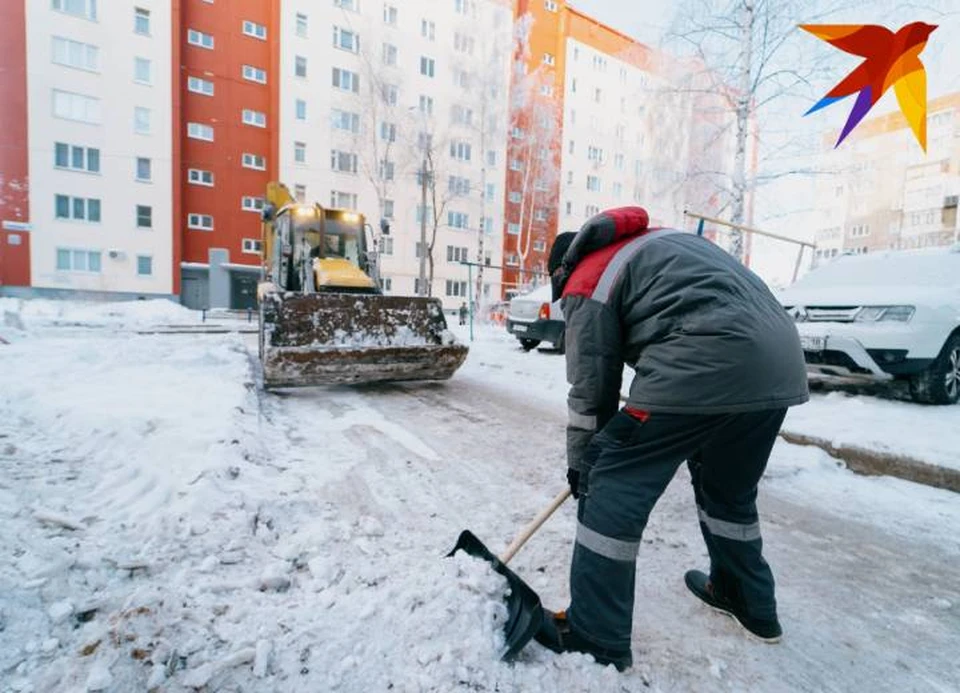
544	311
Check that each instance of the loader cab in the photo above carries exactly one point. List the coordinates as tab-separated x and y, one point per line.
316	248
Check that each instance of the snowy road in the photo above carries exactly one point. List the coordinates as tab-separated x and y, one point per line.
244	541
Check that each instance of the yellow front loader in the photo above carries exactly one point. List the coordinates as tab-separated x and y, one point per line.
324	319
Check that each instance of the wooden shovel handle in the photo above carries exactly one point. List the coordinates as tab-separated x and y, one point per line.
534	526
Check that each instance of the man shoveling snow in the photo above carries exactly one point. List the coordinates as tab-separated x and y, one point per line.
717	362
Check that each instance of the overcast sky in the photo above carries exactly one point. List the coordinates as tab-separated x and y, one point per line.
777	206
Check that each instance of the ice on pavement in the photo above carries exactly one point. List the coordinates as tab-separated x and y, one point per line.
168	526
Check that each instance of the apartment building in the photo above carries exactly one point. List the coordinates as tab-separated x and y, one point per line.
152	129
883	192
597	121
86	203
373	92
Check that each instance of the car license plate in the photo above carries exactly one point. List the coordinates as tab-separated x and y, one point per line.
519	328
813	342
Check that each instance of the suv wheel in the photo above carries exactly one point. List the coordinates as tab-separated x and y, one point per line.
940	382
529	344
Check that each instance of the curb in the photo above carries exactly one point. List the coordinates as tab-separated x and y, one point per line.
876	463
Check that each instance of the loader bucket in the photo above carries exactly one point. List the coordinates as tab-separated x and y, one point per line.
524	610
344	338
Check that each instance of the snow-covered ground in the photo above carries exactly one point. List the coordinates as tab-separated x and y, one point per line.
166	524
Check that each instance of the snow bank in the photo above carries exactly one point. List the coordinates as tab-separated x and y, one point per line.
46	313
926	433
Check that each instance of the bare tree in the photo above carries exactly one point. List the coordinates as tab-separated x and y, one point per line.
748	54
534	159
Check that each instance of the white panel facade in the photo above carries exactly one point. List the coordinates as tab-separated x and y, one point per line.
100	87
341	144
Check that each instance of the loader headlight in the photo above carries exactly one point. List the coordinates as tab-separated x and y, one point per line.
351	217
885	313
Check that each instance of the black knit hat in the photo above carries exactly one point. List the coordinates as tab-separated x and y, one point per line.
555	262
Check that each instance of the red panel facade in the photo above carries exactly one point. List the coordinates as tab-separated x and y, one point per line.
223	66
14	162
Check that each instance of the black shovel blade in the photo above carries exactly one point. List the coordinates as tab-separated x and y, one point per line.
524	610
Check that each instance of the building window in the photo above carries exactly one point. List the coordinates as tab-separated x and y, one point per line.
254	161
345	120
349	5
389	54
455	288
300	66
513	229
300	192
540	215
550	5
198	176
257	119
592	211
200	86
460	151
516	165
301	25
387	170
144	265
70	106
77	208
386	283
512	260
459	186
458	220
73	260
386	245
427	66
251	246
343	79
86	9
388	132
428	30
346	40
593	183
456	254
257	31
390	93
300	152
463	43
426	105
144	169
390	15
141	21
141	120
491	192
540	246
343	162
254	74
144	217
142	70
199	39
461	78
76	158
515	197
343	200
462	116
463	6
548	59
200	222
301	109
388	209
546	90
250	203
83	56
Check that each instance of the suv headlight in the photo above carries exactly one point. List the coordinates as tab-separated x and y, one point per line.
885	313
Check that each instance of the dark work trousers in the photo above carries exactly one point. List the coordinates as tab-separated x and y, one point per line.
632	463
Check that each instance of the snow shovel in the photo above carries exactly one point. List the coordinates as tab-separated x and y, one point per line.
524	611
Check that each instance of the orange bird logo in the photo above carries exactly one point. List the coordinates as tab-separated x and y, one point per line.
892	59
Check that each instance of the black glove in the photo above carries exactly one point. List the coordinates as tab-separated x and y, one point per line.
573	478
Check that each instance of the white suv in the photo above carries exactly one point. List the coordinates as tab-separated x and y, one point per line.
883	316
533	318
